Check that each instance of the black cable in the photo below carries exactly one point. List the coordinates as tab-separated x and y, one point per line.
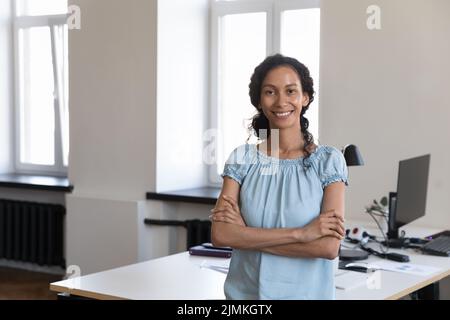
370	250
384	236
386	255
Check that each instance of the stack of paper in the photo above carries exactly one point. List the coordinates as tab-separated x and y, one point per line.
350	280
415	269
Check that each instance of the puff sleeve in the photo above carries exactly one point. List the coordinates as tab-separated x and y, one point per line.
237	165
332	167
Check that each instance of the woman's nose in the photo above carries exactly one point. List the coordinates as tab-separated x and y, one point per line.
282	100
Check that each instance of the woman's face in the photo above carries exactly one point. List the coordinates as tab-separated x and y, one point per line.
282	98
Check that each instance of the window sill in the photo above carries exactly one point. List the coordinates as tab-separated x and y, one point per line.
35	182
207	195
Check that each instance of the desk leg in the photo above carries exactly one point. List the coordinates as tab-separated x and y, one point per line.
430	292
66	296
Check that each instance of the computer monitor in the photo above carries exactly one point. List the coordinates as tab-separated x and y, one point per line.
409	202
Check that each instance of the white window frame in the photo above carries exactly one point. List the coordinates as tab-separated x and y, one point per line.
53	22
273	10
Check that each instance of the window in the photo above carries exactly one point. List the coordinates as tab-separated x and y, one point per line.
244	32
41	71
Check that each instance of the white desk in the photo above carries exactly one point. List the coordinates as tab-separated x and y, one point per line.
180	277
396	285
176	277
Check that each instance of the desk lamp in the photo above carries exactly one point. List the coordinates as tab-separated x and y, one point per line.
352	158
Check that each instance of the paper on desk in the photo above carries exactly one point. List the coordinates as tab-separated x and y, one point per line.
348	280
221	267
415	269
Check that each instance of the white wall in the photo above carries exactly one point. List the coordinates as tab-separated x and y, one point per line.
387	92
42	196
182	114
113	130
115	100
6	86
160	241
101	233
182	93
112	99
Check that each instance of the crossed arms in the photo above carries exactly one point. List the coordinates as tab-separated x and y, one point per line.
319	239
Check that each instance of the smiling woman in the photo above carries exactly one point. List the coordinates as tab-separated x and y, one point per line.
282	211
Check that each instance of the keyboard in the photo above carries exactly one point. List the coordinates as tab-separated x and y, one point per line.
438	247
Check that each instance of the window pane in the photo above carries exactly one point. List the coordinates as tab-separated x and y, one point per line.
300	38
36	96
242	46
41	7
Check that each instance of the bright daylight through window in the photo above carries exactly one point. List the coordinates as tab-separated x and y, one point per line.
41	55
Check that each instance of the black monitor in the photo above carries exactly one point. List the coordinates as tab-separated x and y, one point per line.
409	202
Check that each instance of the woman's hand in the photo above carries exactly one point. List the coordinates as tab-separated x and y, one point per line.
326	224
229	212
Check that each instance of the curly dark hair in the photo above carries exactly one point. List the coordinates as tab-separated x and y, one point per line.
259	121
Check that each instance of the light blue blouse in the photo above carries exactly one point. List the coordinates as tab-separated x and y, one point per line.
281	193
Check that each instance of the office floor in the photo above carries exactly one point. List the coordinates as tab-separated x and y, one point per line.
26	285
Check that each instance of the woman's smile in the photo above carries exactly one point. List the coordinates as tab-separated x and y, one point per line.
283	115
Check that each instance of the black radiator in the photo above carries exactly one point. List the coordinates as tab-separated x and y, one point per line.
32	232
198	231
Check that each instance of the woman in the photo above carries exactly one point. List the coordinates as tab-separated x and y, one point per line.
281	207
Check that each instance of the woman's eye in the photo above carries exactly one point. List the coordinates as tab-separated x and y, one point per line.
292	91
269	92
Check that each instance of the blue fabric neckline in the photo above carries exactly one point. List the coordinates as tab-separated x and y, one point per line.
269	159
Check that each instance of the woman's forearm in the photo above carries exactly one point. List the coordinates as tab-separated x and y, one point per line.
282	242
242	237
326	247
